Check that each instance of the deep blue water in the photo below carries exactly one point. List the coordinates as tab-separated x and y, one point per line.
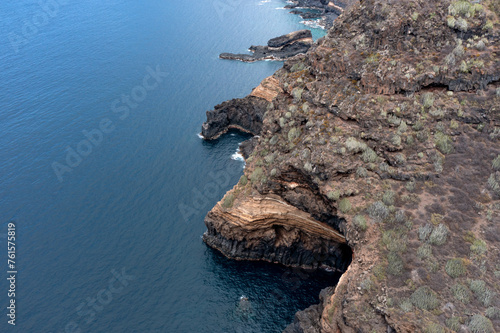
134	201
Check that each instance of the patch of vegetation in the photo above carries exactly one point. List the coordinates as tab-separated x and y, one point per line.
378	211
480	324
366	284
360	222
439	235
388	198
333	195
406	305
345	205
461	293
354	145
428	100
243	180
361	172
493	183
257	175
496	163
228	201
453	323
478	247
370	156
396	140
424	232
482	293
443	143
493	312
424	251
395	264
297	94
425	298
293	134
434	328
455	267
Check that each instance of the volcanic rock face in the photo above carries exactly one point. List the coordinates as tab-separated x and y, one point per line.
268	228
244	114
386	132
279	48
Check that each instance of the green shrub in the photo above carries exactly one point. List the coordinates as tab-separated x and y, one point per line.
378	211
395	264
388	198
366	284
428	100
243	180
462	24
439	235
478	247
493	184
434	328
400	217
455	267
443	143
493	312
297	94
425	298
480	324
453	323
354	145
424	251
345	205
482	293
293	134
424	232
228	201
406	305
396	140
274	140
360	222
394	242
451	21
257	175
461	293
496	163
333	195
361	172
370	156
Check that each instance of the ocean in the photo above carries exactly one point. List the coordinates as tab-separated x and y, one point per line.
105	178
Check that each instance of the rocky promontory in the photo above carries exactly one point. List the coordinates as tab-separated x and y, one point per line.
377	153
279	48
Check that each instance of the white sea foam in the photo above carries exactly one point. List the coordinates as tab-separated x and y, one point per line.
199	135
315	24
237	156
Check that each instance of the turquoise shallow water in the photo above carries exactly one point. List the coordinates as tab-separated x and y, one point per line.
132	206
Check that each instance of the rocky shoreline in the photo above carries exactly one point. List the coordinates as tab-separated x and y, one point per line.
380	144
279	48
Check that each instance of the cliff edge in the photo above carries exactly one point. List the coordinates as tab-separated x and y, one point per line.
380	145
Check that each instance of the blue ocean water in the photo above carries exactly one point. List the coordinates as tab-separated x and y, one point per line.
109	240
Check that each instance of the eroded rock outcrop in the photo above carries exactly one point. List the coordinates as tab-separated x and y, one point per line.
279	48
257	227
388	132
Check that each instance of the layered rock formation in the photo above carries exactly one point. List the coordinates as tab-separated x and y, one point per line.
279	48
386	133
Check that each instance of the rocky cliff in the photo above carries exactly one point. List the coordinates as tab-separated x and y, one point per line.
381	144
